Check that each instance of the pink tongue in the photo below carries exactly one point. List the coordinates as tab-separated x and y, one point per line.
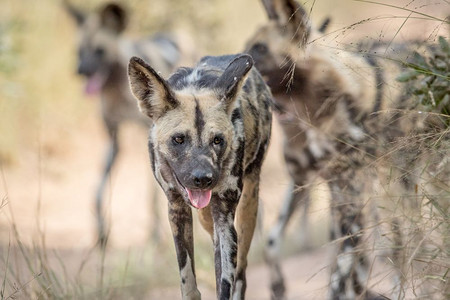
199	198
94	84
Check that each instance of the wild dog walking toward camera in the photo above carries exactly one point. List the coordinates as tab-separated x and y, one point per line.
337	110
103	55
211	128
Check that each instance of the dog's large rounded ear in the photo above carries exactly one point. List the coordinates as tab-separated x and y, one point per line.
78	15
153	93
229	84
291	14
114	17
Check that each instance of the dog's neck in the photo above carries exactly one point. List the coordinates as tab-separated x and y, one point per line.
117	75
295	91
287	80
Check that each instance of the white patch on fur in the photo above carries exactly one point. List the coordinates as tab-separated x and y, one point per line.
355	229
345	262
239	132
318	145
189	288
334	281
237	290
193	77
356	133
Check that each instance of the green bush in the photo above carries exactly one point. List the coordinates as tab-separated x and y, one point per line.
429	79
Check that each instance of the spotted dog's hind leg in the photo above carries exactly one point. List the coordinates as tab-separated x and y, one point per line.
180	217
275	239
349	271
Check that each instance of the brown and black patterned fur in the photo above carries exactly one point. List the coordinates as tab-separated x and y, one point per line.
211	128
338	110
104	52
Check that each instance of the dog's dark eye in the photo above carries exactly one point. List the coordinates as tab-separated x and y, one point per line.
260	48
178	140
218	140
99	51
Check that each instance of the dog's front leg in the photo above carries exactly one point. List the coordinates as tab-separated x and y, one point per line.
111	156
225	243
180	217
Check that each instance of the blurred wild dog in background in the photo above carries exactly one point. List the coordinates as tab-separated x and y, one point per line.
339	111
103	56
211	129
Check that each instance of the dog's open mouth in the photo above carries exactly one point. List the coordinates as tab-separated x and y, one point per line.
199	198
95	83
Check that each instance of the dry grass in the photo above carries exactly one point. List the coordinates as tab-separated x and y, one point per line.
416	220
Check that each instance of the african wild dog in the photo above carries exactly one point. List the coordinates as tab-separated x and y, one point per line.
211	128
337	110
103	55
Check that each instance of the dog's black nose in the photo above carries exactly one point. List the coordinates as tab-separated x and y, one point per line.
202	180
82	70
85	69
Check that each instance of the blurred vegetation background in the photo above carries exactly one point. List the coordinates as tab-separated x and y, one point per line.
52	140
